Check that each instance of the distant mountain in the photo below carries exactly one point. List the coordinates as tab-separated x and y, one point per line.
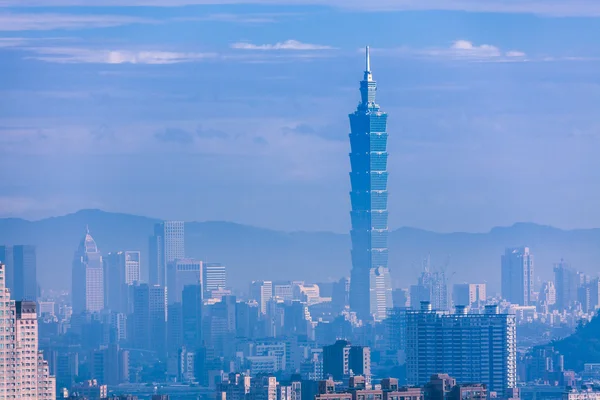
256	253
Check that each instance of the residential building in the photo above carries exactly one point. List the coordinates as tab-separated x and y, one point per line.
23	371
368	178
470	347
25	286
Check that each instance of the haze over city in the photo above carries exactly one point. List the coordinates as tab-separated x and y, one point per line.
299	200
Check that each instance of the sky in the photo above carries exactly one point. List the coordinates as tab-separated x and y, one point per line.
238	110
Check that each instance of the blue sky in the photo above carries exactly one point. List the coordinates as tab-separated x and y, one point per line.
193	110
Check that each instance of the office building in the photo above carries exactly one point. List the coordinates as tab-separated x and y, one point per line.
180	273
166	245
517	277
23	371
150	318
121	271
25	286
566	282
340	360
283	291
191	315
469	294
21	271
262	293
470	347
381	293
214	277
368	178
88	277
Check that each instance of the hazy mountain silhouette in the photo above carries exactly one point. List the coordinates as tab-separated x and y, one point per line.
255	253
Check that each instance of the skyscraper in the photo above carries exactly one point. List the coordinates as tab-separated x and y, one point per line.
88	277
182	272
566	282
23	371
469	294
121	271
21	271
214	276
166	245
469	347
368	178
261	292
517	276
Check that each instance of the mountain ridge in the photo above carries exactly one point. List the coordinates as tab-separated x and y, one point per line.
261	253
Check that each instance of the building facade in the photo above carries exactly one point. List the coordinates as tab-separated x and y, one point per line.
470	347
369	195
517	277
380	292
182	272
24	374
87	294
166	245
214	277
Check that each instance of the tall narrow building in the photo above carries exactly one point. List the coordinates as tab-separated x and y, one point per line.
368	178
166	245
87	293
517	276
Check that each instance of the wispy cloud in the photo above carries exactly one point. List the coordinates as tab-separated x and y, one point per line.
45	21
583	8
461	50
287	45
241	18
94	56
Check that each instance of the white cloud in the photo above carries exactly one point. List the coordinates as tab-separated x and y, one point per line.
81	55
514	53
44	21
287	45
459	50
583	8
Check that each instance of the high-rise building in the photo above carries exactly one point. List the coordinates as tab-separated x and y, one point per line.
340	297
566	282
470	347
469	294
6	258
262	293
25	285
121	271
166	245
547	294
150	318
182	272
431	287
23	371
368	178
87	292
381	293
340	360
517	276
191	312
214	277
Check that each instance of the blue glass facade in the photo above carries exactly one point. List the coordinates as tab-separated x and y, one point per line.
369	196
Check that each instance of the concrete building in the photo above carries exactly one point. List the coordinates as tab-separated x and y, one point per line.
23	371
470	347
341	360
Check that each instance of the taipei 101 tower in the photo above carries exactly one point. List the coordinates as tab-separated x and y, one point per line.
370	286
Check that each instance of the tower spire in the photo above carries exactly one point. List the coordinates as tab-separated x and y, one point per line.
368	55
